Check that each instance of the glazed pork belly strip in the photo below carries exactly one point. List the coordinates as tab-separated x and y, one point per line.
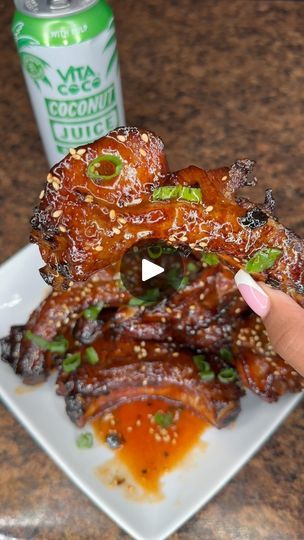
262	370
59	311
102	198
201	316
204	324
131	370
213	323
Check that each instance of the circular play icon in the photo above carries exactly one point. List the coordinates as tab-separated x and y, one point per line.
151	270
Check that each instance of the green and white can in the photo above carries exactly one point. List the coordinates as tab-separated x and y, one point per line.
69	59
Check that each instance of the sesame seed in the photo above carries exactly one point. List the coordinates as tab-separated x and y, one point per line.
122	220
62	228
76	156
88	198
157	437
175	354
202	296
203	244
49	178
81	151
57	213
209	208
129	429
224	178
112	214
121	138
144	137
56	186
72	151
41	194
238	310
138	423
116	230
98	248
142	152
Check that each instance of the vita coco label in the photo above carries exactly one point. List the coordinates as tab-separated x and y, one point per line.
75	89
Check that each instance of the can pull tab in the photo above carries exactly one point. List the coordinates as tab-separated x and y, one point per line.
59	4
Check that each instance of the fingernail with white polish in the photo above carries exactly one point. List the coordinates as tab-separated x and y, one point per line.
252	293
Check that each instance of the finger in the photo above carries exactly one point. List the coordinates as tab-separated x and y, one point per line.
282	316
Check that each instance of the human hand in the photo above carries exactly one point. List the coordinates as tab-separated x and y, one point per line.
282	316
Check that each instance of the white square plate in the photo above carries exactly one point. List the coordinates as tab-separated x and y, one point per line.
186	489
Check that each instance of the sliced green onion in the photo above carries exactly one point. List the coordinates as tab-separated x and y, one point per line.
179	192
192	267
91	313
262	260
204	369
200	362
227	375
96	164
154	252
183	283
210	258
226	354
174	278
190	194
164	420
164	193
71	362
85	440
133	302
58	345
169	249
91	356
150	297
208	376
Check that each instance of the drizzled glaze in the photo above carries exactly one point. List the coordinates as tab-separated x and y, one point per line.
147	449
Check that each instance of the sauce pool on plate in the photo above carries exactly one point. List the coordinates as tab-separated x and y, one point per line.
150	438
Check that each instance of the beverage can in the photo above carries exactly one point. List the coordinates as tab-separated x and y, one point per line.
70	63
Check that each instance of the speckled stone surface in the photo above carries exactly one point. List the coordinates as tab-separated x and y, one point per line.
217	80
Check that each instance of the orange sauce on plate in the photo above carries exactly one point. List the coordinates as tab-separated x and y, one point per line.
148	448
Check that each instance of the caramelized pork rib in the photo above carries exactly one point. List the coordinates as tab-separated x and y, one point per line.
201	316
80	223
129	371
260	368
59	310
85	219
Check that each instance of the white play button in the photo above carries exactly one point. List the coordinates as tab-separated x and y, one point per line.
150	270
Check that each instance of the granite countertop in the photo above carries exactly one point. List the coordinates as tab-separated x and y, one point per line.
217	80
